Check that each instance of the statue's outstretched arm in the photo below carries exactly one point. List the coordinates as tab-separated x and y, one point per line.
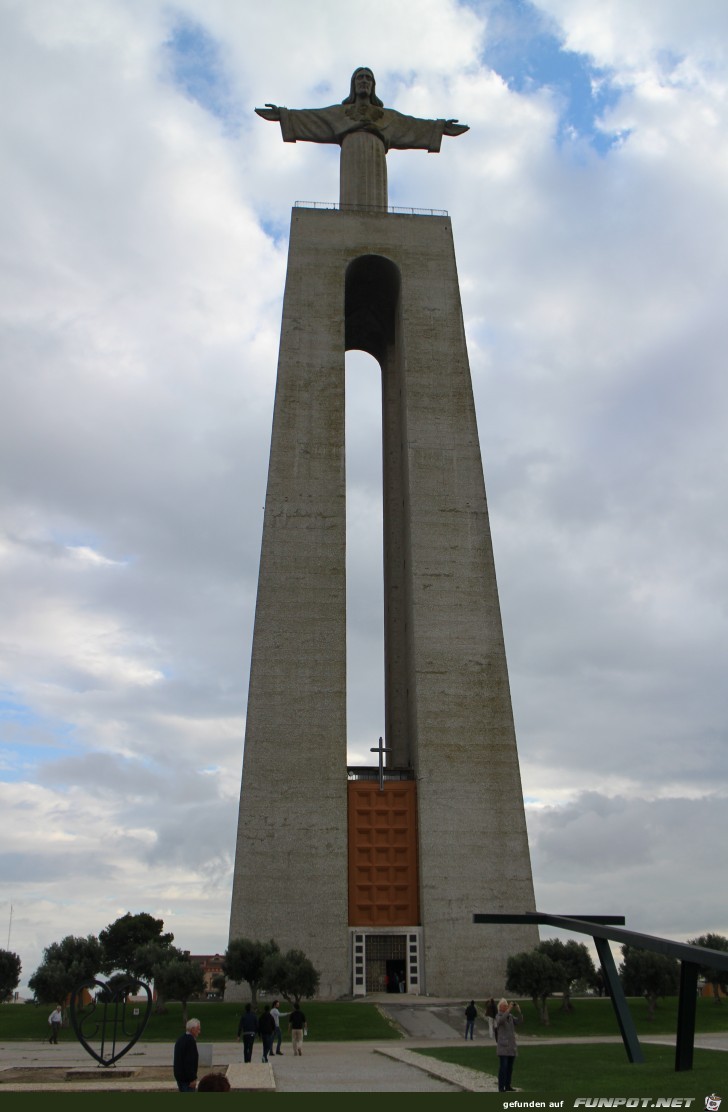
452	127
270	112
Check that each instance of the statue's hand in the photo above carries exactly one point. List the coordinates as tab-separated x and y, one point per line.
452	127
270	112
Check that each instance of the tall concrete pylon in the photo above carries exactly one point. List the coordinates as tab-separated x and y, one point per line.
376	878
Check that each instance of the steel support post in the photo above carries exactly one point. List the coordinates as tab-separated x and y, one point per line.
686	1009
619	1002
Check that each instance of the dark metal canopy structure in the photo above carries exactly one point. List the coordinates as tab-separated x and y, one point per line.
608	928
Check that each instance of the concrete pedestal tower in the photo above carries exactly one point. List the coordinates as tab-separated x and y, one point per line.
375	873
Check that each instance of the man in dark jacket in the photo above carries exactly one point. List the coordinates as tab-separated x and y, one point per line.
186	1057
267	1028
248	1028
297	1025
471	1014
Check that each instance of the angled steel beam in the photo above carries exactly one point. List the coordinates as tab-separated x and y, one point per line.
603	929
586	924
623	1015
687	1005
538	917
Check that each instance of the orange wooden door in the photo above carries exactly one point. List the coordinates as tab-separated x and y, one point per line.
383	884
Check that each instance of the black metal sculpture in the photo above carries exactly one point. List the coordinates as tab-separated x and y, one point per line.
602	930
110	1017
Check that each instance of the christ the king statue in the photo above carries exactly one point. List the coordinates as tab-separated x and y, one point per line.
365	130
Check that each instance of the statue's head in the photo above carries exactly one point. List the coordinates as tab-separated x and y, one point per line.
363	82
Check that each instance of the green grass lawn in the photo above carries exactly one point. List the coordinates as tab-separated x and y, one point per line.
326	1022
595	1016
601	1070
347	1021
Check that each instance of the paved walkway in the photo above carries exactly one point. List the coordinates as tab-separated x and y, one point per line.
324	1067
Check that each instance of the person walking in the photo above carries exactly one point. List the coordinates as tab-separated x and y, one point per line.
186	1057
471	1013
277	1016
506	1046
297	1025
55	1019
267	1028
248	1029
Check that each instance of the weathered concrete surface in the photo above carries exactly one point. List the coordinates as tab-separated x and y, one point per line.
387	284
440	1022
419	1022
146	1068
356	1068
337	1067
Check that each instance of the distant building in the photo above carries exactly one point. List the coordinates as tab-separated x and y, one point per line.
211	966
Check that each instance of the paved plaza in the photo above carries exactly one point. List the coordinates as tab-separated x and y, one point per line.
388	1067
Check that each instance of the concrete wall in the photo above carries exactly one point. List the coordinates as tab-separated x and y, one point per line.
448	701
291	862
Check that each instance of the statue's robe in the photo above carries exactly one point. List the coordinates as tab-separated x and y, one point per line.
333	124
365	133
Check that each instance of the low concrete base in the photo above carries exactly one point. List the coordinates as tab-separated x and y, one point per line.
251	1077
243	1077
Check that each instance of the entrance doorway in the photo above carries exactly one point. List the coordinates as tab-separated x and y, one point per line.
396	975
386	961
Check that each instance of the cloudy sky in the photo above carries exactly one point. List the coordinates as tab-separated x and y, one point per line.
145	211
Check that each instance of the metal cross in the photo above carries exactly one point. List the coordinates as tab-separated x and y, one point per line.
381	749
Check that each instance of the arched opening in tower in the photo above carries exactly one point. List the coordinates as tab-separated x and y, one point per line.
364	558
372	322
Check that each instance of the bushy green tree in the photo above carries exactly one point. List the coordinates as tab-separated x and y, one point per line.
118	982
534	974
179	980
645	973
291	975
10	967
575	962
716	978
219	982
65	965
149	959
244	960
123	939
151	955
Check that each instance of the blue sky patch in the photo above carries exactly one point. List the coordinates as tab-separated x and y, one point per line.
28	739
197	68
522	45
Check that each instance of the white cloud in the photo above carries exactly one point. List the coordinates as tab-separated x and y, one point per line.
144	251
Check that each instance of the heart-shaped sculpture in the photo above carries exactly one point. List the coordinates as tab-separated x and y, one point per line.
102	1012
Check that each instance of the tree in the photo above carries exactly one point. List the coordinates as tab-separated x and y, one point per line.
128	934
534	974
117	983
574	960
65	964
219	983
145	959
179	980
10	967
148	959
291	975
244	960
716	978
645	973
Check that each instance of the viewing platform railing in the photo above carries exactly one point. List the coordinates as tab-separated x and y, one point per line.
371	772
371	208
